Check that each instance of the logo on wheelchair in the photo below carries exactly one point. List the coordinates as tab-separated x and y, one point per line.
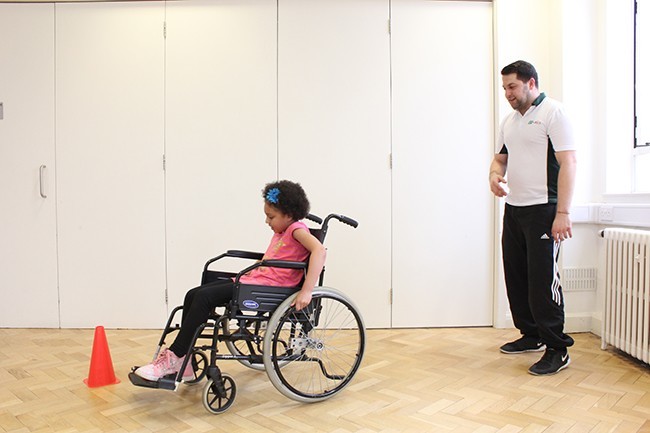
250	304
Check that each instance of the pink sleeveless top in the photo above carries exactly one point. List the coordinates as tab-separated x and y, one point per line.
283	246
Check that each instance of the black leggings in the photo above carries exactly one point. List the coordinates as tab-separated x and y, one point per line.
197	306
531	273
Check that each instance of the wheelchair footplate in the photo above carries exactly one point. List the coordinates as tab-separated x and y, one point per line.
167	382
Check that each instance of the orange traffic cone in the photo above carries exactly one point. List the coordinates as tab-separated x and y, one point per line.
101	366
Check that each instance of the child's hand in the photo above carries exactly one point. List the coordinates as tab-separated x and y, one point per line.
302	300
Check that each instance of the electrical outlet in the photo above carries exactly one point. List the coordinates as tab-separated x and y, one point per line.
606	213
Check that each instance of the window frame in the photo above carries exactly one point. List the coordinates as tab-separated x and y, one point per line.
637	54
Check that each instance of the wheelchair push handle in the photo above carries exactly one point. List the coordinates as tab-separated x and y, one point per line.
345	220
314	218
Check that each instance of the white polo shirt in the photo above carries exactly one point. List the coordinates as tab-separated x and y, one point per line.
530	141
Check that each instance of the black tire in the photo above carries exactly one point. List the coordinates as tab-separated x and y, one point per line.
215	403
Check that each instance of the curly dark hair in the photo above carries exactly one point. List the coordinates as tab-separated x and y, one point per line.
288	197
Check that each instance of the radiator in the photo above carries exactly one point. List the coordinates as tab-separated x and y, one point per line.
626	323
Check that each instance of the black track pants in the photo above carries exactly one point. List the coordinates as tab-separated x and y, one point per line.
531	272
197	306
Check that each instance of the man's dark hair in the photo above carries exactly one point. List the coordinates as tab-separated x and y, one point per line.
524	70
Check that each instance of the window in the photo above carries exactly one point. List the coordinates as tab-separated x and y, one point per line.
642	96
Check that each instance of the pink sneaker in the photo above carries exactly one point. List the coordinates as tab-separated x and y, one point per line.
166	363
188	374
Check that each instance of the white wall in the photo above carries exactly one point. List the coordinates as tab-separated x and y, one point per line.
581	50
599	84
323	117
442	128
109	146
334	135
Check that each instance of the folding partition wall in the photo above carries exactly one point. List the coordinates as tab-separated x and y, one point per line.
159	123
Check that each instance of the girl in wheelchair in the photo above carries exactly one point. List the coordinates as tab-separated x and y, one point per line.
285	205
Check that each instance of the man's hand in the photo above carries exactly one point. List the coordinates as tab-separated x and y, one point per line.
495	184
497	175
561	229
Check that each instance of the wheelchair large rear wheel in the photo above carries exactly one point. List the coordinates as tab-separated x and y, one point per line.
312	354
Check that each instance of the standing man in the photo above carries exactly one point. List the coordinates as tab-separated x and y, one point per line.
538	153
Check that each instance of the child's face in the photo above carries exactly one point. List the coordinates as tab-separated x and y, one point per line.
277	220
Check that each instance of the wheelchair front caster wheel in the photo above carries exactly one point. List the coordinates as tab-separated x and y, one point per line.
217	397
199	365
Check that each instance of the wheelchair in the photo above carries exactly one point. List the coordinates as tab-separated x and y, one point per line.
309	355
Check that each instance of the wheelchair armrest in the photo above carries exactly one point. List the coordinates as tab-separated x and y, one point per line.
244	254
286	264
234	253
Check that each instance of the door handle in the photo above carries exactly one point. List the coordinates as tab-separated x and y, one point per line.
41	179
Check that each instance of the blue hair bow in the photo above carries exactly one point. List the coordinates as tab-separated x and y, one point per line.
272	195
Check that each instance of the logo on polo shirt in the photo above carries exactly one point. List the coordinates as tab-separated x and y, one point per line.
536	122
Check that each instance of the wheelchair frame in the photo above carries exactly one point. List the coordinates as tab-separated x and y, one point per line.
310	355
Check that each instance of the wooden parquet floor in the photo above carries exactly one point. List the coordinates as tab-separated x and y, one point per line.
415	380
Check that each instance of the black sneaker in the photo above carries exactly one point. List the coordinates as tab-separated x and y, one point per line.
552	362
524	344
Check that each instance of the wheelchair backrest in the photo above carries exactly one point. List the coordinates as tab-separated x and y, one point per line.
318	234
